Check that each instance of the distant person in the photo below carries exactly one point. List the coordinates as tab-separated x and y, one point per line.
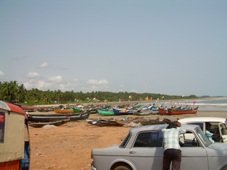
172	151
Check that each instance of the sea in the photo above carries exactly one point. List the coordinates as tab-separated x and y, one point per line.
207	104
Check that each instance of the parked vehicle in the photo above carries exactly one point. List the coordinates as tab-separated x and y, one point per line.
218	126
142	150
14	138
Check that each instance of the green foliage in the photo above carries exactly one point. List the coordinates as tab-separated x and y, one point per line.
13	92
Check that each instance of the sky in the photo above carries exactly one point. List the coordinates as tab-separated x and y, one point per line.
176	47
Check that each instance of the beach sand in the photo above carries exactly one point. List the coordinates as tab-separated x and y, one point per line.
68	147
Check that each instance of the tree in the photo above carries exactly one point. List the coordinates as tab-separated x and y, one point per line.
12	92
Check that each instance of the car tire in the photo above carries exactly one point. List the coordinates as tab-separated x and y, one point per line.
122	167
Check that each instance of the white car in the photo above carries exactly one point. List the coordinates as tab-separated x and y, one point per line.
142	150
218	126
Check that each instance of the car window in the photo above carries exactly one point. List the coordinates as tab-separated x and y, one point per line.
197	123
223	129
188	139
149	139
214	129
203	137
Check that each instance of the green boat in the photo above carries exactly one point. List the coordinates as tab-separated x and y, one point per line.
77	110
106	112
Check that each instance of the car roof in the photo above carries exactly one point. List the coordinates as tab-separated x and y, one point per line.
159	127
189	127
202	119
148	127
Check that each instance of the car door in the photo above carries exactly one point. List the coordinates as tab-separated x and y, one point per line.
147	151
194	155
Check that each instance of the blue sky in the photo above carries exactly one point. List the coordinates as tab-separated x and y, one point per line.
171	47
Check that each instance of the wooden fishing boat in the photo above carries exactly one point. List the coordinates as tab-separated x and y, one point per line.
63	111
105	112
120	111
102	122
177	111
77	110
163	111
55	123
28	108
92	110
147	111
183	111
56	117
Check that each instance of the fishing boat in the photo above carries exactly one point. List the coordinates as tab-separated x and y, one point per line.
147	110
56	117
163	111
105	112
102	122
28	108
123	111
76	109
63	111
55	123
183	111
178	110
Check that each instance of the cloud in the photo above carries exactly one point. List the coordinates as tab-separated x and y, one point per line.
98	82
32	83
56	79
96	85
46	83
33	74
75	79
1	73
44	64
59	83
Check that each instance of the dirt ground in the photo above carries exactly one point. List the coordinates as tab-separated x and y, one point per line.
68	147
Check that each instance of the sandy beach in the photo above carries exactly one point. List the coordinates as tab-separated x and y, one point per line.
68	147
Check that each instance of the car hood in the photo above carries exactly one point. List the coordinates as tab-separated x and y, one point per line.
217	149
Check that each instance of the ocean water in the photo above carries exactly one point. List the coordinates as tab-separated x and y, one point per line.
208	104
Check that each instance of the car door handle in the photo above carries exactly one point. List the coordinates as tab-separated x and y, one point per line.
132	152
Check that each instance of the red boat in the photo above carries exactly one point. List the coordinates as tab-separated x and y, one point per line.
163	111
177	111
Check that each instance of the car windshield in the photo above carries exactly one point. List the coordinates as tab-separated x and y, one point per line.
125	141
203	137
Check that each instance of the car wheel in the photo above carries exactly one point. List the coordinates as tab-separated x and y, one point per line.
122	167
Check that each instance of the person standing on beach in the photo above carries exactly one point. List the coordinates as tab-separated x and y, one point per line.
172	151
